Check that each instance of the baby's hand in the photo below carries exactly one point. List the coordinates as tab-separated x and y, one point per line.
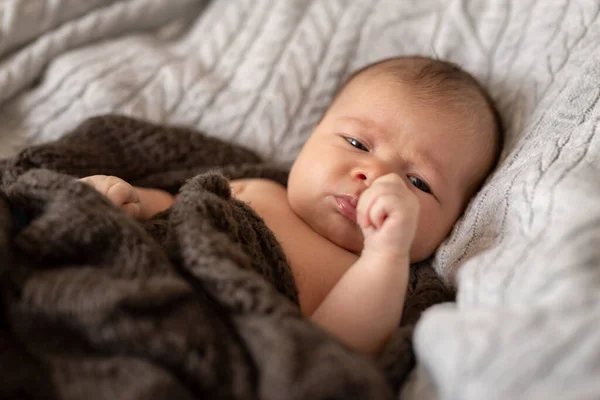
388	212
121	193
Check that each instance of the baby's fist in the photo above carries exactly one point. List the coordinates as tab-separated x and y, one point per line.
119	192
388	213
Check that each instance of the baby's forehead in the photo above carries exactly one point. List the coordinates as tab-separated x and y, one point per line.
463	104
400	70
433	83
424	76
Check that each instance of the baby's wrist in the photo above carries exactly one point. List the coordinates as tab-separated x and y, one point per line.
384	256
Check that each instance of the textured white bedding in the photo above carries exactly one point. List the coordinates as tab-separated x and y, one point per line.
526	255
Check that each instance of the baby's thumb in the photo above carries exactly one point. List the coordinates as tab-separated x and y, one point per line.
133	209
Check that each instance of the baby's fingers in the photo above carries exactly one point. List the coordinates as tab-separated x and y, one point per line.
94	181
391	184
365	202
392	179
382	208
122	193
133	209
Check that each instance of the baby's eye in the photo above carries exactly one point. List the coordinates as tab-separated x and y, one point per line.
419	184
357	144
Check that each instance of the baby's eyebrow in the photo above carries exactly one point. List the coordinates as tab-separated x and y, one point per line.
366	124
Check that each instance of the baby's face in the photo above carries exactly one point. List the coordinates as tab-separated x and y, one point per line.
377	126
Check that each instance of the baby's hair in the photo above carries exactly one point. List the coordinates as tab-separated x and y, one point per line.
439	79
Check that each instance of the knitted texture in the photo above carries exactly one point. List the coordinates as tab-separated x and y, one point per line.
524	256
198	301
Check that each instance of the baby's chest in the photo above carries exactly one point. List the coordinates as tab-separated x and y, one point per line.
315	263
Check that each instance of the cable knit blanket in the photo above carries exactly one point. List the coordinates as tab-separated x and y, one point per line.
198	302
525	256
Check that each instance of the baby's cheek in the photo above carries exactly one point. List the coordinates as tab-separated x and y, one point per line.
304	206
429	234
296	202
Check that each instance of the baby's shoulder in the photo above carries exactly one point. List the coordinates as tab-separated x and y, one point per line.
269	199
256	187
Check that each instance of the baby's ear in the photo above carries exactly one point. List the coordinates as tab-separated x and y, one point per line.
212	181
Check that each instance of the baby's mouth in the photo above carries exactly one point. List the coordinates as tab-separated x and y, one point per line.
347	206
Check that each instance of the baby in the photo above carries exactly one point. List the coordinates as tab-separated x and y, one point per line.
379	184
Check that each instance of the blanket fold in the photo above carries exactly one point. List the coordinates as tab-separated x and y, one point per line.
197	302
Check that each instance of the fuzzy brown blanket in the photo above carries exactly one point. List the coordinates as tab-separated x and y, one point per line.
198	302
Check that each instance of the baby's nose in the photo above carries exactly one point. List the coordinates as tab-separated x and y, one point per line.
361	176
367	174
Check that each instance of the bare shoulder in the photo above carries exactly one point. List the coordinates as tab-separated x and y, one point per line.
269	200
252	187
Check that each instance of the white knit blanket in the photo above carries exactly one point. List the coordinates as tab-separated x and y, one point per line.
526	255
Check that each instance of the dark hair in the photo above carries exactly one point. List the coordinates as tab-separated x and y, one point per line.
439	77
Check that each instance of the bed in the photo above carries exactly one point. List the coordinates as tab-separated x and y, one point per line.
524	258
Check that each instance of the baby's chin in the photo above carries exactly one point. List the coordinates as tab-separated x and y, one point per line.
341	232
330	225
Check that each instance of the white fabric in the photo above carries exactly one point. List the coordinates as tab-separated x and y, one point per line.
526	255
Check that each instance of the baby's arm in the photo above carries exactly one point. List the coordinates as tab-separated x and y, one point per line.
365	306
140	203
153	201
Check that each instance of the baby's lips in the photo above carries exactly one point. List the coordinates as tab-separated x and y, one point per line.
347	206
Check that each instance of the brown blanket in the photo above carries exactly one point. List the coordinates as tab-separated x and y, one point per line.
198	302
